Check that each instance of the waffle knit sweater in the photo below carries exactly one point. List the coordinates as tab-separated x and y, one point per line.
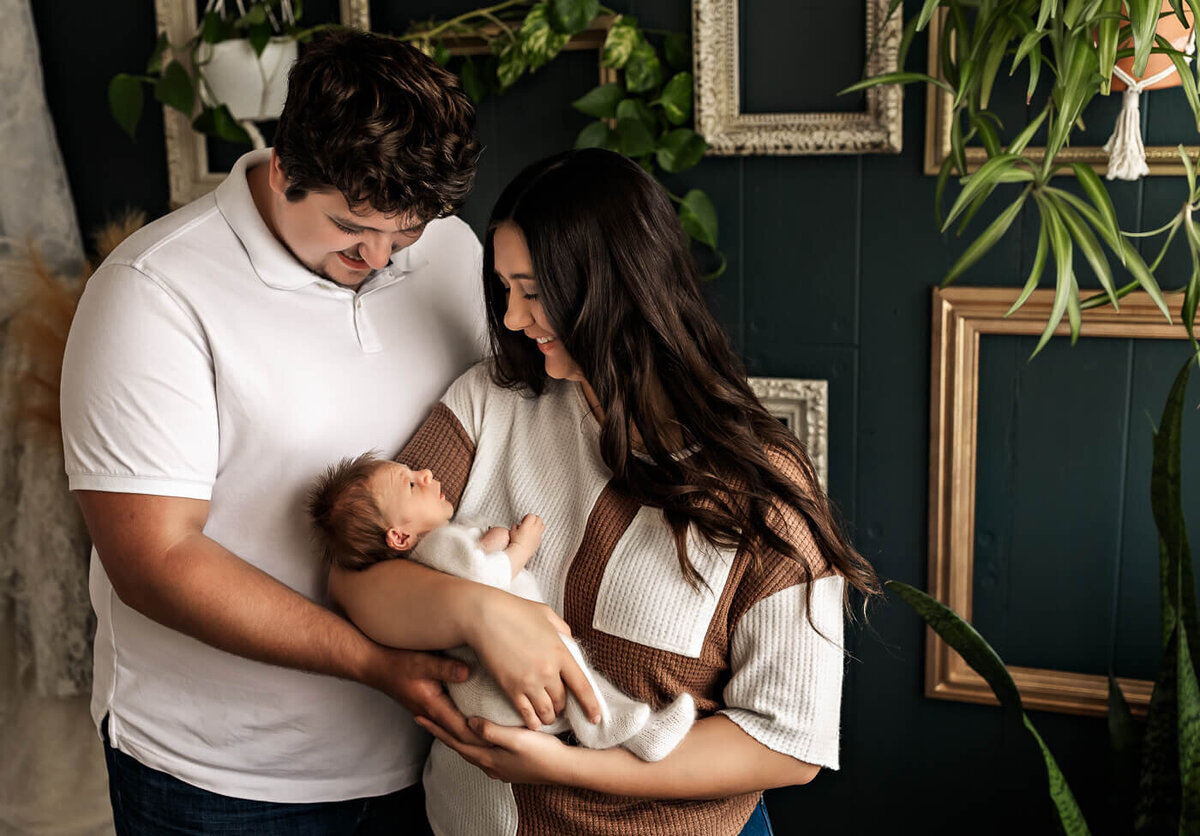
742	646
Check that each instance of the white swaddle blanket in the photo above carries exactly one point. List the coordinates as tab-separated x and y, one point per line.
651	735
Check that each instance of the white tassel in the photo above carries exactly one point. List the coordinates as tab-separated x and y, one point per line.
1126	152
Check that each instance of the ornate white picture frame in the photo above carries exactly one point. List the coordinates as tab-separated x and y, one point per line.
728	131
187	152
803	406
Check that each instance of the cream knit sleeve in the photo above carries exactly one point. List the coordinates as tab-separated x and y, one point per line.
786	686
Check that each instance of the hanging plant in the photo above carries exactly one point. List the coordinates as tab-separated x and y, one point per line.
256	39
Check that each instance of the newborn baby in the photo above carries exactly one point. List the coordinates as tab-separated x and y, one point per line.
368	510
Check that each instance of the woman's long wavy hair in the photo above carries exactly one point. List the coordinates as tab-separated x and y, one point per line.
620	287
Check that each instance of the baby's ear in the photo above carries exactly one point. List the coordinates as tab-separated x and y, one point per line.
399	540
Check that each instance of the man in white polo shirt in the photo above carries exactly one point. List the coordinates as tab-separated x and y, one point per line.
314	306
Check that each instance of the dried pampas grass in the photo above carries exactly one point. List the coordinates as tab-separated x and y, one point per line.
43	305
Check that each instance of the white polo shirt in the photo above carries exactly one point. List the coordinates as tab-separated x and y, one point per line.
204	361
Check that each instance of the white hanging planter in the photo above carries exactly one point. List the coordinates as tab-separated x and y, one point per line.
252	87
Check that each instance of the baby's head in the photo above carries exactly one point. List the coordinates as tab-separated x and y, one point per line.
367	510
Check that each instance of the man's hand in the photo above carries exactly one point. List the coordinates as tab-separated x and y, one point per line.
415	680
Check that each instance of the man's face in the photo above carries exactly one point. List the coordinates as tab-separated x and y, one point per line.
333	240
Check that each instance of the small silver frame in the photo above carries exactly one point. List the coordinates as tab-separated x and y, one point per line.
802	405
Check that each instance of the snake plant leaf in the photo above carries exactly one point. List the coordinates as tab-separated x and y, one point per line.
1070	817
964	638
1125	737
1158	802
994	232
572	16
125	100
1122	728
601	101
986	178
175	89
1189	735
1166	502
1035	273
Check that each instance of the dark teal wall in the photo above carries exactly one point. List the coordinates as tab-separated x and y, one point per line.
831	261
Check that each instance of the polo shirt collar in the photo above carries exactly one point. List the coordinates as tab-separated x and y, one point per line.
271	260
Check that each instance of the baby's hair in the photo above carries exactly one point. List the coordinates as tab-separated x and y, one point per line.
350	528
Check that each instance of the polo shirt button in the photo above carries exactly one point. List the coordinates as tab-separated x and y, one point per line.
359	303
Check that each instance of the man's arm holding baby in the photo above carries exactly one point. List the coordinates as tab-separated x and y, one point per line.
401	603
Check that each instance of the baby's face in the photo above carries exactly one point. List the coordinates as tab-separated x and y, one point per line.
411	501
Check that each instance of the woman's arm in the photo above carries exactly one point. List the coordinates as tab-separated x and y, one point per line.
715	760
402	604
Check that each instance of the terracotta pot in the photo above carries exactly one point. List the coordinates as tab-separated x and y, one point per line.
253	87
1175	32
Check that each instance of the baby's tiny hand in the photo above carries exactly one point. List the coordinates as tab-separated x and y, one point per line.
494	540
529	530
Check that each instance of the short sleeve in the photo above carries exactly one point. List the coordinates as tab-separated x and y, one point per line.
139	412
786	685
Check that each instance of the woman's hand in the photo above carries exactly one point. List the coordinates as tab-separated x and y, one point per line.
512	754
519	642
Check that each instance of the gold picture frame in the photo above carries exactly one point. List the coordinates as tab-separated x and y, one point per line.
188	173
960	316
1162	160
728	131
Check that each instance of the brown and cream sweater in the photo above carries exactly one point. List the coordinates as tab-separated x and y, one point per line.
742	647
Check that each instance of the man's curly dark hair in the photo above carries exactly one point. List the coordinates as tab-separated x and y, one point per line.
380	122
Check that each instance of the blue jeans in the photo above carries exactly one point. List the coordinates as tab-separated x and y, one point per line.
147	802
759	824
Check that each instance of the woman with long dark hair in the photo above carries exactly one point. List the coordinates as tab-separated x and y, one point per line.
688	544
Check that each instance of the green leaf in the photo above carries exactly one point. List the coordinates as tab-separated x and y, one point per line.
1060	243
1136	266
622	37
984	178
1044	13
601	101
996	50
643	71
539	42
699	217
154	64
680	149
987	239
175	89
1070	817
472	84
677	98
125	100
633	139
1158	786
1035	273
219	122
596	135
1092	251
572	16
896	78
1189	735
1098	195
639	110
259	36
926	14
211	28
1106	41
256	15
1186	79
512	65
961	636
678	51
441	53
1189	170
1023	138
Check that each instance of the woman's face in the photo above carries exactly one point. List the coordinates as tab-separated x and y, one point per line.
514	270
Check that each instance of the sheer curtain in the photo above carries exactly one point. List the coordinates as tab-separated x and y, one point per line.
51	766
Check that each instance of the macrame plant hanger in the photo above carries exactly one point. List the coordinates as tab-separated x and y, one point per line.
1126	151
289	18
